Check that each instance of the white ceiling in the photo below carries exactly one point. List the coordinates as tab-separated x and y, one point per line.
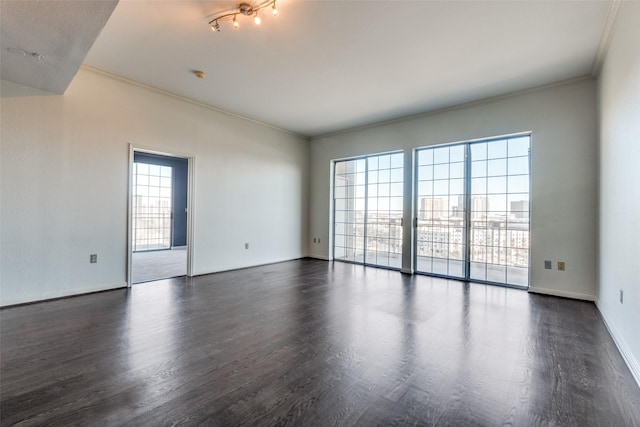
323	66
43	43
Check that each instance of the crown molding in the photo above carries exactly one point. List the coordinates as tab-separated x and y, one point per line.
187	100
605	38
454	107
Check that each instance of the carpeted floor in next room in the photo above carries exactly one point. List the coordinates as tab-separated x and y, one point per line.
155	265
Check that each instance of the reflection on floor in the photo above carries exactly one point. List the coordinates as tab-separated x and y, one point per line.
154	265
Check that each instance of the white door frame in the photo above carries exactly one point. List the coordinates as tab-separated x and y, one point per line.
190	197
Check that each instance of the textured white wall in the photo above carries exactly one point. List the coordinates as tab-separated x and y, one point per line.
564	172
64	186
619	266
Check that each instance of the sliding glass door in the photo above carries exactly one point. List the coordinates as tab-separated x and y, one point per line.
368	210
472	203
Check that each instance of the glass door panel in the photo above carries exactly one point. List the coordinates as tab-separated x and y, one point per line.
384	210
500	211
441	219
368	197
349	210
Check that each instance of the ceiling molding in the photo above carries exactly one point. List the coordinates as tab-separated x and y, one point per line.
456	107
605	39
188	100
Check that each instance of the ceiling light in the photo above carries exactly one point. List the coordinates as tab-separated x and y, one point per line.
242	9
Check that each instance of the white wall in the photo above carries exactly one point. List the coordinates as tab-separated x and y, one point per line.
64	186
619	266
564	172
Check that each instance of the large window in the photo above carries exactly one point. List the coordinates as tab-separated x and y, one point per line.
152	188
368	210
472	203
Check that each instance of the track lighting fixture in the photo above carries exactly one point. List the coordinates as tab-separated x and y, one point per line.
242	9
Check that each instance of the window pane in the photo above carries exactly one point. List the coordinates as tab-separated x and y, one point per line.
456	170
441	171
478	151
384	162
497	185
456	153
396	175
425	172
373	163
479	168
518	165
441	155
519	146
478	185
456	186
396	189
396	160
425	157
518	184
497	167
497	149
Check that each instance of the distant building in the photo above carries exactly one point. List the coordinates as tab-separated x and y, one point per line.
519	208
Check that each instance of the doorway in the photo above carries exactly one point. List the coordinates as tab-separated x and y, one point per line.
159	217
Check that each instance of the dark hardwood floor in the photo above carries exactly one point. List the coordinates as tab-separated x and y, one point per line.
312	343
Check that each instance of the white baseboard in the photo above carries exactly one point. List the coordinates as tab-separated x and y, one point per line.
628	357
61	294
406	270
557	293
322	257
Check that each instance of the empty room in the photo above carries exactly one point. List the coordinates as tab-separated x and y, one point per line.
318	213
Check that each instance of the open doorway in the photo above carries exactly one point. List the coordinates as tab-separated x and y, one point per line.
158	217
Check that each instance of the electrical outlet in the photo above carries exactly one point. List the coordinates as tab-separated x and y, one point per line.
314	240
318	240
547	265
621	296
561	265
93	258
246	246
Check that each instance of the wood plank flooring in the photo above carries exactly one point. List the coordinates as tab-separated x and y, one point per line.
312	343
